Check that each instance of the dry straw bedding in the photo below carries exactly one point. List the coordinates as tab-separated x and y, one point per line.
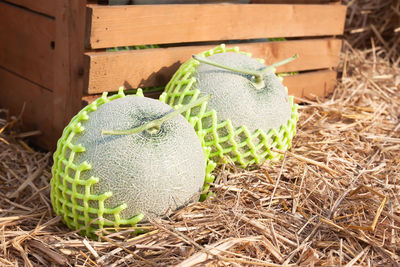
333	200
379	19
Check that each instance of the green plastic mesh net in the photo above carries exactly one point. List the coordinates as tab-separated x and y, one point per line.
71	196
224	142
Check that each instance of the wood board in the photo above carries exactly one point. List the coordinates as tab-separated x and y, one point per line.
69	69
26	46
155	67
20	95
311	84
294	1
47	7
150	2
87	99
113	26
304	85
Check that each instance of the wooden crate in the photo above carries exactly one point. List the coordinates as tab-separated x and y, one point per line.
54	56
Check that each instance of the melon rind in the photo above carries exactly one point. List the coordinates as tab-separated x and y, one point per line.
64	188
226	143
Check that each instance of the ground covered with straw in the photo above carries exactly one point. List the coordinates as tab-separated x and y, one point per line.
334	199
374	23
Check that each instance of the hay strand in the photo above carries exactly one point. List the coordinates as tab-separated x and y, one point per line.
334	200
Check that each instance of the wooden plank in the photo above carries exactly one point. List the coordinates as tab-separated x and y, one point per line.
311	84
47	7
69	67
87	99
151	2
111	26
162	2
26	46
292	1
305	85
37	111
114	2
155	67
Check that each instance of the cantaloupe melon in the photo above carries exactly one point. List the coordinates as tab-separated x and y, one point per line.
114	180
235	97
246	117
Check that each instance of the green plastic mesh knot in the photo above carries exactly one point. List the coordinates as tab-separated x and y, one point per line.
220	137
71	196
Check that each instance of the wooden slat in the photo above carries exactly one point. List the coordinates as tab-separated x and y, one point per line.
292	1
114	2
26	44
111	26
86	100
68	65
15	91
146	2
305	85
47	7
155	67
162	2
311	84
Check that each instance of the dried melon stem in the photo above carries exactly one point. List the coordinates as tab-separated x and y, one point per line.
153	127
258	75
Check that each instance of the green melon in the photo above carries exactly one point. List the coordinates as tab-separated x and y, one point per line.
116	180
236	98
244	119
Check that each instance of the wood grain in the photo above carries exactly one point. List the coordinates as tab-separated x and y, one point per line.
293	1
147	2
87	99
111	26
69	69
305	85
155	67
47	7
18	94
26	44
311	84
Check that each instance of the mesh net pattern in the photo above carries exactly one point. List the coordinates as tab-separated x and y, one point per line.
72	196
223	141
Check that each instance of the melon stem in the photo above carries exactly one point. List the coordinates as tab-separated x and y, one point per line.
257	74
154	126
283	62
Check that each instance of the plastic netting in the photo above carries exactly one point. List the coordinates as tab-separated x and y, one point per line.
72	196
220	137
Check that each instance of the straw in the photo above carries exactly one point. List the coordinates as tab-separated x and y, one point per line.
335	200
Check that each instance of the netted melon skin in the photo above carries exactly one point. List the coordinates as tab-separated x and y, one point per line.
64	189
225	142
73	187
